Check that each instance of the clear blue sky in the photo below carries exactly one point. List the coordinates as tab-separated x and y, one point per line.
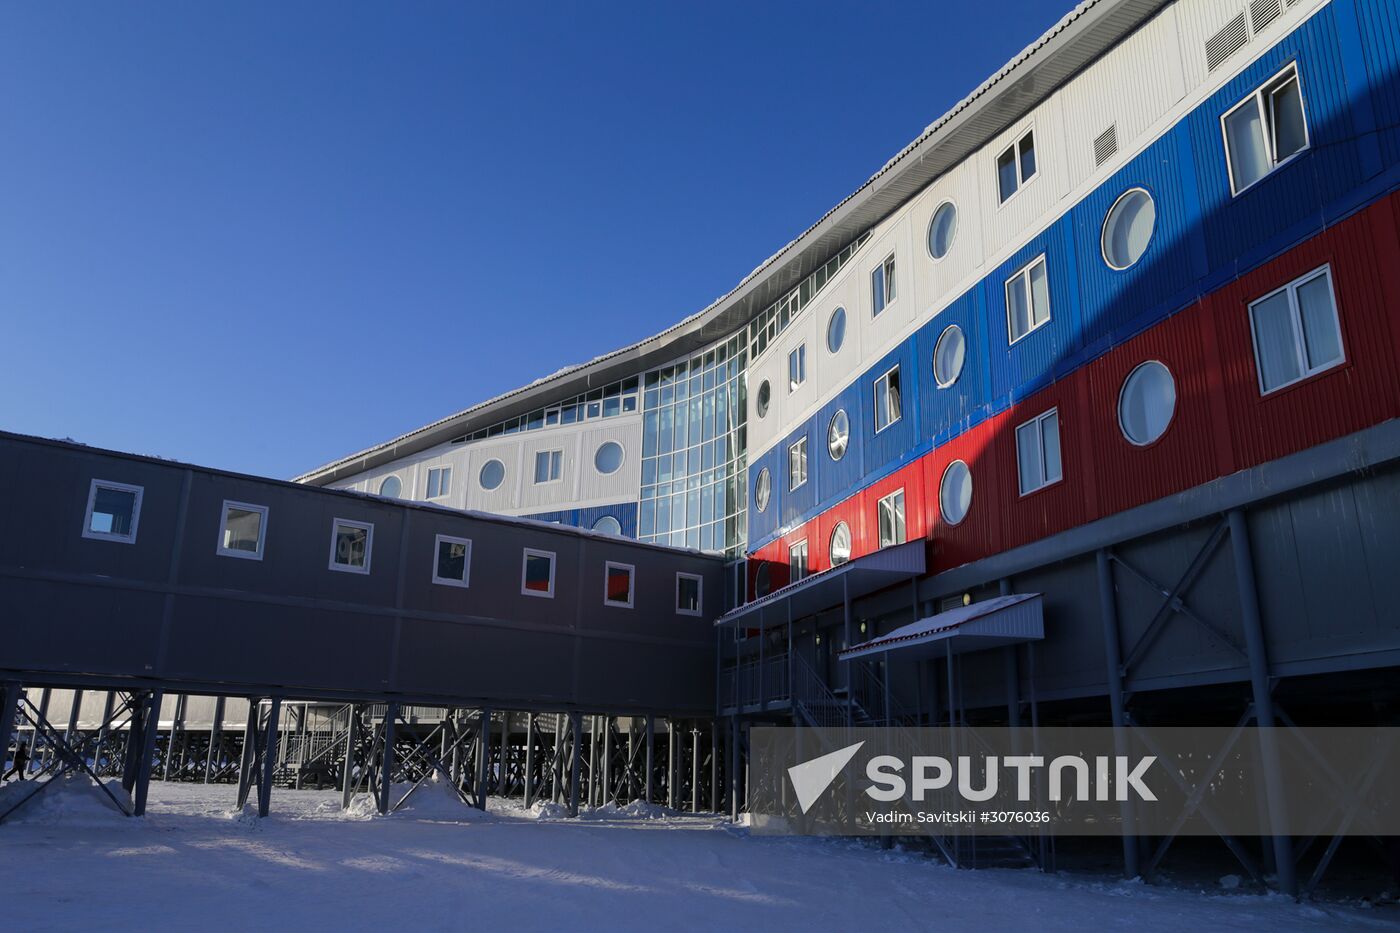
260	236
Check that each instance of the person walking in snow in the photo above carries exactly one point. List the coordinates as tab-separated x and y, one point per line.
21	764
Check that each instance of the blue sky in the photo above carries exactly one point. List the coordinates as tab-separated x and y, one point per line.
262	235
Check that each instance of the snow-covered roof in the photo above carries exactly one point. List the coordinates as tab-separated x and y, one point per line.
1082	35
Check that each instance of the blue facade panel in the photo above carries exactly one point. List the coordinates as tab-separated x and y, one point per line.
1378	25
803	498
836	478
1031	363
898	439
764	524
947	412
624	512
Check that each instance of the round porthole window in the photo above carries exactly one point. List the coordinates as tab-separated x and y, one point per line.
836	330
765	395
493	473
761	584
838	434
1128	228
391	487
608	525
948	356
762	489
941	230
608	458
1147	403
840	544
955	492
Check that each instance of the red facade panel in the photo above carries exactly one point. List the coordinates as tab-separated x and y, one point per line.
1356	394
1060	505
910	478
979	534
853	515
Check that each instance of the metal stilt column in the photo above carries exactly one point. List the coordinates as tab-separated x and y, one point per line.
483	757
714	765
529	759
250	749
347	776
694	768
732	768
269	762
147	751
1253	622
608	796
576	730
386	762
9	702
216	734
593	788
103	730
672	766
651	757
1113	655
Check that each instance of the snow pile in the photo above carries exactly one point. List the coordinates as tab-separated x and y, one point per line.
433	800
636	810
549	810
73	798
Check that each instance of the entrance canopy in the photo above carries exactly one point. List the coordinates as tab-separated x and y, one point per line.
994	623
899	563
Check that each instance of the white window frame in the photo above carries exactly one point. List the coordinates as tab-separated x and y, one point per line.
797	379
797	448
550	452
699	609
1295	315
465	582
888	269
222	551
525	556
795	548
1021	181
130	537
1025	273
631	569
336	525
898	493
1257	97
441	471
1039	422
884	377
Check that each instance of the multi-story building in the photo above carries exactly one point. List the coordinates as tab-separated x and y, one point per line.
1133	297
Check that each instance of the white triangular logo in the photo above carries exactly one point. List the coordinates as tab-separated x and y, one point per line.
811	778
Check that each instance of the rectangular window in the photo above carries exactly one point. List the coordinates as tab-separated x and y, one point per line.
617	584
1265	130
797	464
242	530
452	561
797	367
113	511
537	573
890	511
882	292
548	466
1027	300
1296	331
797	561
351	544
1016	166
689	598
1038	451
887	410
439	482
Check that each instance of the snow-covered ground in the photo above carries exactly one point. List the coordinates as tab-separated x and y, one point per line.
192	863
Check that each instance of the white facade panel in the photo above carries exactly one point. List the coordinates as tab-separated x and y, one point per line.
937	282
597	488
1035	201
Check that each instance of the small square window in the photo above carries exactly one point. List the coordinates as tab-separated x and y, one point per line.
548	466
1296	331
452	561
887	404
1016	166
891	519
1038	452
797	464
797	367
439	482
113	511
1265	130
351	545
689	598
617	584
242	530
1027	300
537	573
882	286
797	561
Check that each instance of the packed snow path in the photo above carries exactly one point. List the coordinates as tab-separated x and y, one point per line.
192	864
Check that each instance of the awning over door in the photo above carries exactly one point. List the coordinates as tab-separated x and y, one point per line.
852	580
993	623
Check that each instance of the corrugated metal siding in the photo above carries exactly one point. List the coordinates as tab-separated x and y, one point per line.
946	412
1055	507
1379	23
798	501
979	534
895	440
1023	367
838	477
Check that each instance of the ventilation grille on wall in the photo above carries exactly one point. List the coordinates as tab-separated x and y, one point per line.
1226	42
1106	145
1264	12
